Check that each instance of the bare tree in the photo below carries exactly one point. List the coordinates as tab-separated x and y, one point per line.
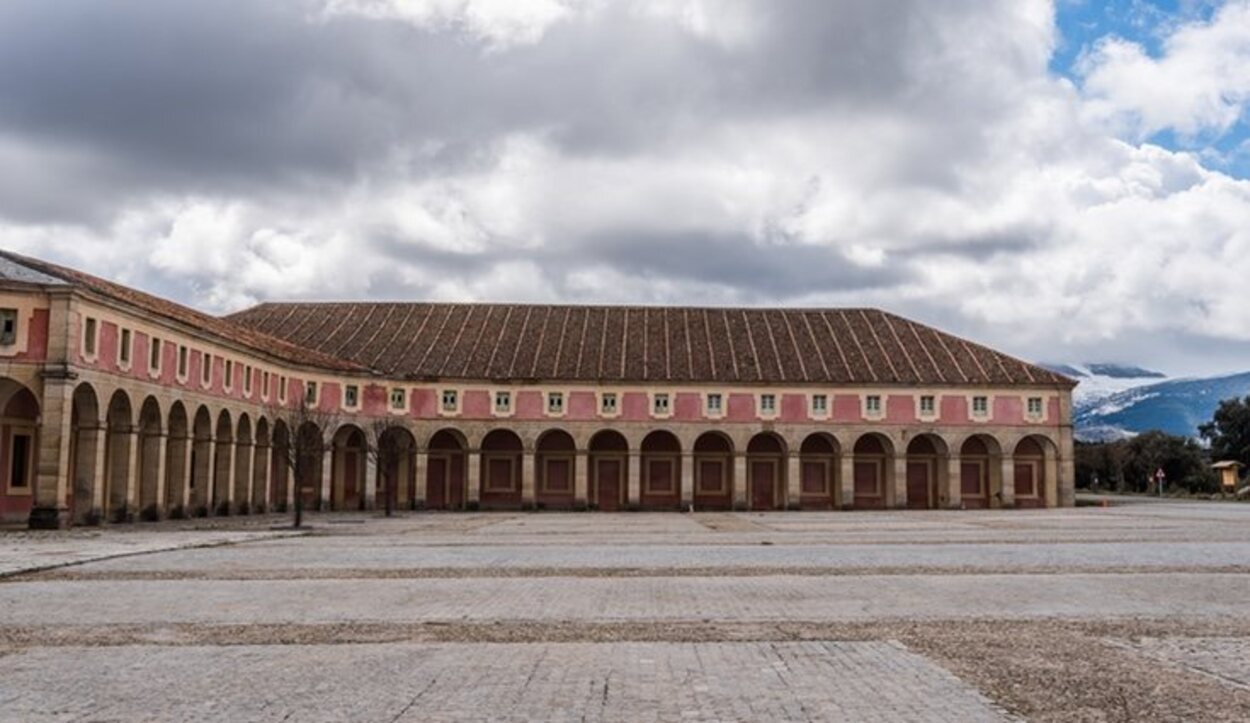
386	450
307	441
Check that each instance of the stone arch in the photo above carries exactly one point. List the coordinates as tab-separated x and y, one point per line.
202	448
609	470
223	463
660	457
713	471
308	458
261	468
280	491
555	475
501	454
873	470
347	478
151	458
446	474
87	443
177	457
1035	460
927	472
819	472
243	457
396	468
766	472
19	448
980	472
120	459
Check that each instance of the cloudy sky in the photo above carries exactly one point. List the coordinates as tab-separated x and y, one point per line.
1068	180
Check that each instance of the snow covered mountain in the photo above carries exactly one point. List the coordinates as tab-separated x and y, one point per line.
1114	401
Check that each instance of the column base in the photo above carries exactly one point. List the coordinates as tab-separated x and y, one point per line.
48	518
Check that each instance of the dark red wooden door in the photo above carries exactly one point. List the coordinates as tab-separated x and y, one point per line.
918	479
608	484
763	485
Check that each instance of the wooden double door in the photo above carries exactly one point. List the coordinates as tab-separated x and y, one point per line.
608	486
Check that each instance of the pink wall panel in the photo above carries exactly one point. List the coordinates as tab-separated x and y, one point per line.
424	403
1008	410
107	347
476	404
900	408
794	408
954	410
741	408
582	405
529	405
688	407
375	399
635	406
36	338
846	408
331	397
1053	412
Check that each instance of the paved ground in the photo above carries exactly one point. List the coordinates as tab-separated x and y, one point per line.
1135	612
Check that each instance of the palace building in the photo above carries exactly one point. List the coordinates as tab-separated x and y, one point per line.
117	405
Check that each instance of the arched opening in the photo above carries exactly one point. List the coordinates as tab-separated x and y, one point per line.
445	471
926	472
396	480
980	472
713	472
201	462
1036	464
818	467
873	472
119	459
177	459
261	469
151	459
555	475
347	483
501	470
223	467
86	501
766	472
609	460
243	466
19	450
661	471
308	460
280	459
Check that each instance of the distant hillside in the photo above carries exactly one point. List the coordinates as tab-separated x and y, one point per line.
1176	406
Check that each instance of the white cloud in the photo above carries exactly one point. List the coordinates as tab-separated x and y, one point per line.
499	23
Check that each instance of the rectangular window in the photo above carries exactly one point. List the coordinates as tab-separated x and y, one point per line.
659	405
503	402
768	403
247	380
1035	406
607	403
450	400
228	381
206	369
980	406
19	461
820	404
928	405
183	356
872	404
123	349
282	388
351	396
154	355
399	399
715	403
8	327
310	393
89	336
555	402
265	389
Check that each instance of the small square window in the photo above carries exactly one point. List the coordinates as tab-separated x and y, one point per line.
980	406
555	403
872	404
183	356
768	403
820	404
310	393
928	405
399	399
351	396
1035	406
660	404
89	335
123	349
503	402
154	355
715	403
607	403
450	399
8	327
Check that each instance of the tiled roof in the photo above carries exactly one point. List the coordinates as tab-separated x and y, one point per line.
217	326
641	344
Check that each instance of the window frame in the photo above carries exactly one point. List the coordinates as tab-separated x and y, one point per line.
505	396
615	399
206	369
90	337
28	484
982	400
555	405
125	347
768	405
9	338
661	405
717	411
156	354
352	390
874	406
454	407
823	411
402	397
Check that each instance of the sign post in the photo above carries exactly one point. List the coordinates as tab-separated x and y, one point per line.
1160	476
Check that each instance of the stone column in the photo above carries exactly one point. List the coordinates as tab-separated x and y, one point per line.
581	477
794	482
243	457
740	480
954	474
327	479
422	471
899	500
1065	477
130	447
634	495
373	483
154	464
529	470
52	483
846	482
473	483
1008	482
262	472
687	480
